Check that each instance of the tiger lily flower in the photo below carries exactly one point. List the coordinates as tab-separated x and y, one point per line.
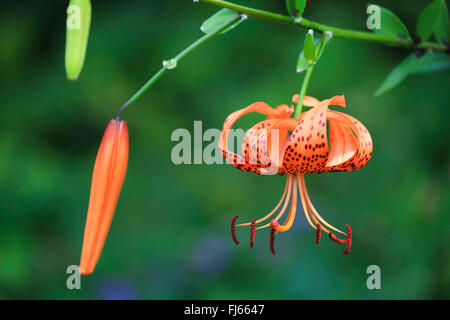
107	179
304	149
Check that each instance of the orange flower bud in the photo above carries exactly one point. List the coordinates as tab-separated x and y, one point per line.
107	179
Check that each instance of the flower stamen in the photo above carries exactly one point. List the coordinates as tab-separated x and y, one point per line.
252	233
304	205
318	233
348	241
273	211
272	239
313	210
233	229
336	239
291	215
288	196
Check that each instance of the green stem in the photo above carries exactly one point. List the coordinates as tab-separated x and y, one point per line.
173	62
298	108
337	32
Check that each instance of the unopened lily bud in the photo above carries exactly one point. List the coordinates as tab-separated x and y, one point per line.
107	179
77	34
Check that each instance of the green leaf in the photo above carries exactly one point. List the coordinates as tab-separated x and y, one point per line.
319	46
218	19
412	64
428	19
389	24
302	63
430	62
442	28
309	47
295	8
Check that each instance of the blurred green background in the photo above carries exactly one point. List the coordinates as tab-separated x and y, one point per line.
170	235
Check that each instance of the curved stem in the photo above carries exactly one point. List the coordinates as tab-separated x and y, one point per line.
337	32
144	88
298	108
173	62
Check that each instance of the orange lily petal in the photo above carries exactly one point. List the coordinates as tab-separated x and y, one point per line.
257	143
235	159
282	111
107	179
307	149
343	143
307	100
358	146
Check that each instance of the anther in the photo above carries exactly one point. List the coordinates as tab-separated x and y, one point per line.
233	229
272	239
318	233
252	233
348	241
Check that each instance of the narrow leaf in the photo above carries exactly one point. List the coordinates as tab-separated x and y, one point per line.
218	19
389	23
442	28
412	64
430	62
309	47
428	19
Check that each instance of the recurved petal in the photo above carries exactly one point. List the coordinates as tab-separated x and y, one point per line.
307	100
235	159
281	129
343	143
107	180
257	144
260	107
350	143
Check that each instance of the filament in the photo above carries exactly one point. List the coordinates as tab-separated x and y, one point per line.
305	208
288	196
291	215
314	211
275	209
